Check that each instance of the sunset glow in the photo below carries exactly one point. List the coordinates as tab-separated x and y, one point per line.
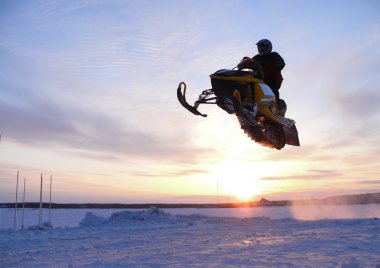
88	95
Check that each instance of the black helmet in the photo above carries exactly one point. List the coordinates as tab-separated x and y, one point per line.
264	46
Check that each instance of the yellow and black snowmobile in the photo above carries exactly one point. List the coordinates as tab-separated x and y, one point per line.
243	92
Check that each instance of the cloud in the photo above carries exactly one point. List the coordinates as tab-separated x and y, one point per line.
325	172
36	116
67	98
312	174
374	182
275	178
335	102
359	104
42	123
102	85
167	174
36	121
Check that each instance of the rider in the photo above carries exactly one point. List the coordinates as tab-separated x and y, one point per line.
272	64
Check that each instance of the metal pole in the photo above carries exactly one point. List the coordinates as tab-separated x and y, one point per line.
51	179
40	218
23	206
217	191
15	216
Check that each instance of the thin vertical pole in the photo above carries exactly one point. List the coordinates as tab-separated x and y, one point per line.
51	179
40	218
217	191
23	206
15	216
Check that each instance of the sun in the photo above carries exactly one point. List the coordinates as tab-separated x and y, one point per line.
245	178
245	193
240	179
244	188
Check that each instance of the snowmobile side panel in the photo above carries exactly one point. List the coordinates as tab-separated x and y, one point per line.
182	99
266	101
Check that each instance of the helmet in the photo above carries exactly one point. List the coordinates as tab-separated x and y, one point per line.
264	46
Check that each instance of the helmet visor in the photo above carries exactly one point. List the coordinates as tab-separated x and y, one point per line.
262	48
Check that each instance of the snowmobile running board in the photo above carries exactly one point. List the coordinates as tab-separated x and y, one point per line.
182	99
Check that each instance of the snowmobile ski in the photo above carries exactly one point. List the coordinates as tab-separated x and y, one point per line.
181	95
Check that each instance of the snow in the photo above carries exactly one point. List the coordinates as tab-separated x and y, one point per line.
161	238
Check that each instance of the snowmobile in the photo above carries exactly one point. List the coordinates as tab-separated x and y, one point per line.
242	92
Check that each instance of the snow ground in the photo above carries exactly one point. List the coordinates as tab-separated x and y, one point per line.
155	238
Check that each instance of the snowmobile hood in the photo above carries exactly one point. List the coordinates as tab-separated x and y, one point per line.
235	75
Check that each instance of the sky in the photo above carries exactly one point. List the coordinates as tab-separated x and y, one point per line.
88	97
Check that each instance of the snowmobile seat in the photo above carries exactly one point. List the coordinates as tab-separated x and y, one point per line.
282	107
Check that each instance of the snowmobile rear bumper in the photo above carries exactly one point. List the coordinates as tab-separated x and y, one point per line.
182	99
291	135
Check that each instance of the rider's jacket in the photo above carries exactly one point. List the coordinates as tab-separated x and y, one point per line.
272	64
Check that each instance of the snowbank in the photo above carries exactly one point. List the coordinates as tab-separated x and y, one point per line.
72	217
156	216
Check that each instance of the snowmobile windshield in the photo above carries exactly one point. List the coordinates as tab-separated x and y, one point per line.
235	72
